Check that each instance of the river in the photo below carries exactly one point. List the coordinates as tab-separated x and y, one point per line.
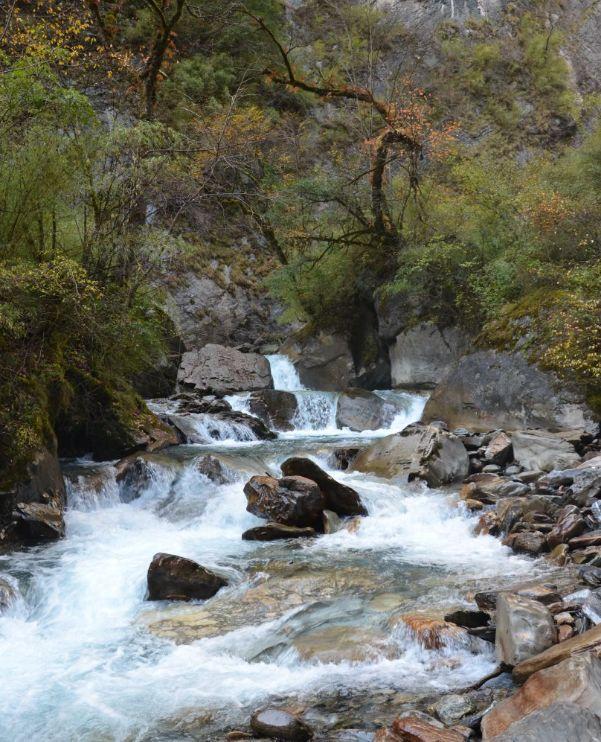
83	655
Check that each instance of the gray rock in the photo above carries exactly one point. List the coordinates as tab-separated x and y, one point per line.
525	627
214	470
276	532
274	407
221	370
39	523
537	449
8	595
421	355
591	606
359	409
418	452
134	475
331	522
280	724
559	722
491	469
323	361
452	708
172	577
493	390
499	449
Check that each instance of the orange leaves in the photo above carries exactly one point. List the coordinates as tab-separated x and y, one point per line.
549	212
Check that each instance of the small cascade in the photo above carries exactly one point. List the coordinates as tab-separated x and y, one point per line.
285	376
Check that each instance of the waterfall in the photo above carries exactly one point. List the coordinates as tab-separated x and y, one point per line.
285	376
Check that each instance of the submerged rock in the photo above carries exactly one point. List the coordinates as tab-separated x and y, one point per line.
417	728
277	531
576	680
134	475
214	469
212	426
340	498
221	370
8	595
172	577
293	500
280	724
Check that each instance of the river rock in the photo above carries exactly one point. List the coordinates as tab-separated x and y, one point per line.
431	632
452	708
8	595
527	542
274	407
524	628
276	532
491	390
214	469
340	498
323	361
212	426
172	577
536	449
134	475
576	680
359	410
569	524
499	449
418	452
559	722
220	370
280	724
38	523
588	641
415	728
292	501
422	355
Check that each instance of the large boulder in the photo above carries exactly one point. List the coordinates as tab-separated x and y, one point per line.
541	451
359	409
274	407
418	452
525	627
323	361
207	427
340	498
576	680
492	390
422	355
31	508
292	501
221	370
559	722
172	577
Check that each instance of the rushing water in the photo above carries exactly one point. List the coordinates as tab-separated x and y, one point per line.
83	655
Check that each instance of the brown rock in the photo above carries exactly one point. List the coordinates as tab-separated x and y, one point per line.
276	532
586	642
38	523
429	631
172	577
589	539
293	501
340	498
279	724
576	680
528	542
499	450
564	632
569	525
416	729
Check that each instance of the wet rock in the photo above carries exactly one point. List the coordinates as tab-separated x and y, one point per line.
468	619
421	355
530	475
488	487
569	524
588	539
342	458
418	452
590	575
331	522
340	498
277	531
586	642
491	390
134	475
323	361
430	631
38	523
337	644
359	409
172	577
293	500
452	708
279	724
559	722
537	449
8	595
524	628
491	469
592	607
528	542
221	370
212	424
214	469
274	407
564	632
415	728
576	680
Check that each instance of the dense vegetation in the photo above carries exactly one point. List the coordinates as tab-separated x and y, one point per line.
474	193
